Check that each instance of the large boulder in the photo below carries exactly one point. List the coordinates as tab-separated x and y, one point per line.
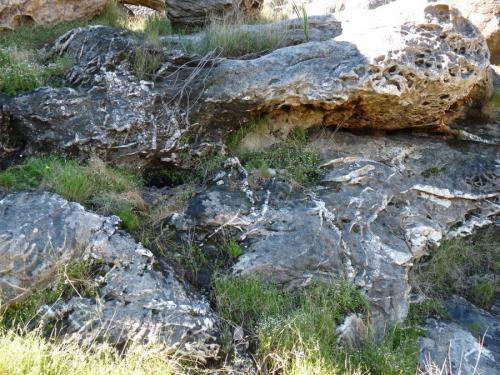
417	69
192	13
14	13
41	232
394	67
384	202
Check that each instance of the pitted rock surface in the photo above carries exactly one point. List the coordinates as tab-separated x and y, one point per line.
383	202
40	232
416	71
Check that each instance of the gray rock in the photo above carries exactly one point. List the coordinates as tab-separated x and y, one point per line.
398	66
199	12
382	204
40	232
454	350
416	70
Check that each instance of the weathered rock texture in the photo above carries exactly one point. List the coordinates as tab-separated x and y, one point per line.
15	13
406	67
485	14
451	344
382	204
199	12
40	232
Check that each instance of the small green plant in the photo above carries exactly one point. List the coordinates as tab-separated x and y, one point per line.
233	249
429	308
245	301
483	293
31	353
396	354
129	218
495	100
157	25
146	62
434	171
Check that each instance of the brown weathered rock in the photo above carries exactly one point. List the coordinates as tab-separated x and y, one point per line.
14	13
394	67
198	12
485	14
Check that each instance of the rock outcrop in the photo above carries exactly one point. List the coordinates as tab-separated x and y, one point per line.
411	72
14	13
381	205
192	13
41	232
415	71
468	343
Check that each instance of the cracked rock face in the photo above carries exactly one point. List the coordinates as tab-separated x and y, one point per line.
40	232
416	70
382	204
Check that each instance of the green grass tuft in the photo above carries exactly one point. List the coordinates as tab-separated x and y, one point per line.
468	267
30	354
429	308
233	39
292	155
73	279
233	249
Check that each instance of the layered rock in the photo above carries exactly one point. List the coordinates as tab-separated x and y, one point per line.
381	205
41	232
199	12
14	13
416	71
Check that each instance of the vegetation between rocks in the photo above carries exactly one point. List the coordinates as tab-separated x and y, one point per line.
106	189
72	279
464	266
295	330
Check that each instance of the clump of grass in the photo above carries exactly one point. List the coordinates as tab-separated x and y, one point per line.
233	249
429	308
31	353
234	39
301	13
468	267
495	100
395	354
245	301
292	156
159	25
24	70
73	279
109	190
295	330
